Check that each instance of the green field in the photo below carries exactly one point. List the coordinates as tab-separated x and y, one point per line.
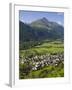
46	72
51	48
33	55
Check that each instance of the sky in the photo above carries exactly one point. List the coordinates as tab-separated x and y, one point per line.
30	16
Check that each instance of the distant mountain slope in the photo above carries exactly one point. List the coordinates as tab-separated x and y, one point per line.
40	30
26	32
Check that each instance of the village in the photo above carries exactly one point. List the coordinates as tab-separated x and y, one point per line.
38	62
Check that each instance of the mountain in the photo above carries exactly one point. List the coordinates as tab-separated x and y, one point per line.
41	23
26	33
40	29
53	30
44	23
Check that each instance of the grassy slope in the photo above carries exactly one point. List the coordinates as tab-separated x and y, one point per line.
50	48
46	72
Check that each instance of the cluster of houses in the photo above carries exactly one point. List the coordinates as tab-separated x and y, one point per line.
39	62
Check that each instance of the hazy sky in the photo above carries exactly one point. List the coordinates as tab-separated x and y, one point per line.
29	16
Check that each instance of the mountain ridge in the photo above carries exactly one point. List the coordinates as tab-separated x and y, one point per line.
40	29
42	20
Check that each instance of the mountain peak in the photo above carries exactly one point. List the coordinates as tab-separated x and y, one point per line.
40	22
44	20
